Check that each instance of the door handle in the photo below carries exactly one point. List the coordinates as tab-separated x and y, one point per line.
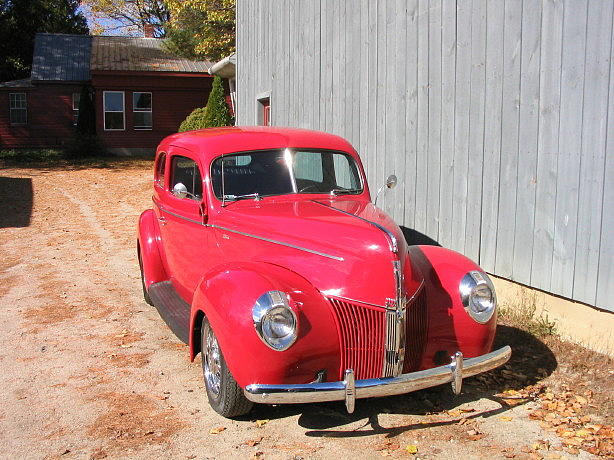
162	220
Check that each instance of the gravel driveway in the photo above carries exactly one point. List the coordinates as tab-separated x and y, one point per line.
89	370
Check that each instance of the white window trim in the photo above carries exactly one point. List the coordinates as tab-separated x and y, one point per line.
104	118
134	110
11	108
75	110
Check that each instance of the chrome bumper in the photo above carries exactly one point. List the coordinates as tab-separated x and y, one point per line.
350	390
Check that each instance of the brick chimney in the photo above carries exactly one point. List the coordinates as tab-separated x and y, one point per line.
148	31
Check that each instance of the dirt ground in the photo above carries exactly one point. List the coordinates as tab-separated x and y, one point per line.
89	370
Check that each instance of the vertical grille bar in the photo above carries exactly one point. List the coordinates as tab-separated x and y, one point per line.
361	329
417	330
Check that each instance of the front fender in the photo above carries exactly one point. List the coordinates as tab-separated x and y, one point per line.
148	234
450	328
226	297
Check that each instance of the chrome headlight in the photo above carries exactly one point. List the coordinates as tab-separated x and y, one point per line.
478	295
274	320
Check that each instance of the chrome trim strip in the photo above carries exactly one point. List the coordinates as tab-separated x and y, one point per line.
392	240
276	242
163	209
311	251
370	388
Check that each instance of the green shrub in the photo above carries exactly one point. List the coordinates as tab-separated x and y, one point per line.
215	114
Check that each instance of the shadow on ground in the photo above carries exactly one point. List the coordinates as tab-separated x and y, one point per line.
16	198
531	362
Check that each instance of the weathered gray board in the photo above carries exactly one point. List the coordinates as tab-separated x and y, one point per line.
497	116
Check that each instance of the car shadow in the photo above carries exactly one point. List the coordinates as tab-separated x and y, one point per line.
16	198
414	237
531	361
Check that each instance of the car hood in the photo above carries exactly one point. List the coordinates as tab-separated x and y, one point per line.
343	247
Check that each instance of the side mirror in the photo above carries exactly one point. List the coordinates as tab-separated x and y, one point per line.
180	190
391	182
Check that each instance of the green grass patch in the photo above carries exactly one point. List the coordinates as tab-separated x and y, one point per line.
522	313
17	156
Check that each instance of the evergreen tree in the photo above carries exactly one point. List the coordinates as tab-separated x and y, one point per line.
215	114
21	20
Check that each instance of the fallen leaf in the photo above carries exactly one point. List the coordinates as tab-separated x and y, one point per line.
261	423
411	448
217	430
253	442
505	418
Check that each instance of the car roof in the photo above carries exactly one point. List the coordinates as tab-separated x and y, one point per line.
211	142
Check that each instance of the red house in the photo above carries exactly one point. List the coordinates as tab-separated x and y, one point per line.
142	92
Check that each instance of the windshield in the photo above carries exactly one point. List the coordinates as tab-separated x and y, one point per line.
284	171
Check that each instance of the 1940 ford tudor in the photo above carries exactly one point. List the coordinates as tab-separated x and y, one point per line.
265	253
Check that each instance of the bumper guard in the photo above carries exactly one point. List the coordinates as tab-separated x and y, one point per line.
350	389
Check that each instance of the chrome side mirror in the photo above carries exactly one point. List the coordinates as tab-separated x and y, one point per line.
180	190
391	182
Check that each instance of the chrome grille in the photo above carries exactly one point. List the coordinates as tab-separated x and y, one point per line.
362	335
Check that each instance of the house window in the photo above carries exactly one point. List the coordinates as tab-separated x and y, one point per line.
141	105
18	108
114	111
263	109
76	98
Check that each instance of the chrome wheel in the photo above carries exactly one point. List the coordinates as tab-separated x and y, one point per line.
212	366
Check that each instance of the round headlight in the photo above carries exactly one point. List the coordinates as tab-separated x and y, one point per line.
478	296
274	320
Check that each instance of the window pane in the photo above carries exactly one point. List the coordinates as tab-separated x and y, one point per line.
19	116
346	175
142	119
141	101
160	170
186	171
114	120
17	100
114	101
308	165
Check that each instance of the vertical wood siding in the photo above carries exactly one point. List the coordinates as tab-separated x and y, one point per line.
497	116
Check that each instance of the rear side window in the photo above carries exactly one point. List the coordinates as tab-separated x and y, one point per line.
160	170
185	170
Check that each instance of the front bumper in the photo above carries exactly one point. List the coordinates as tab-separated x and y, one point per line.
350	390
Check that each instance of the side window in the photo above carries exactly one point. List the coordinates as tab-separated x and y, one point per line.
160	170
185	170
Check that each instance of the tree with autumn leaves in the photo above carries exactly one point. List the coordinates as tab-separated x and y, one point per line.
195	29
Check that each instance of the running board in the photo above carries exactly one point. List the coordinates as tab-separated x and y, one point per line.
173	309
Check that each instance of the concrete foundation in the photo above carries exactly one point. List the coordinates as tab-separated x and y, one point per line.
576	322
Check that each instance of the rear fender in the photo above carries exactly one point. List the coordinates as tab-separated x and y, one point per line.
149	249
226	297
450	327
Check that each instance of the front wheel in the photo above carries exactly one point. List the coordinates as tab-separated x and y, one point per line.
225	395
145	293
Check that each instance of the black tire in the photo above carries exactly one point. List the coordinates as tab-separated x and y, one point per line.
225	396
145	293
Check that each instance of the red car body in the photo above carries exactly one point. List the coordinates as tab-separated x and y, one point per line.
348	274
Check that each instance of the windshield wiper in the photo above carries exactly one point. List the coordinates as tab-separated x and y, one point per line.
343	191
255	196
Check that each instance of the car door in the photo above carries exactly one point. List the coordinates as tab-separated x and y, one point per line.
184	236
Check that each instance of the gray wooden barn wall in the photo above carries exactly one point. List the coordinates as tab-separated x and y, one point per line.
497	117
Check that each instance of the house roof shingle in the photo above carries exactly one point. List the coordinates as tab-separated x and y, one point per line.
139	55
61	57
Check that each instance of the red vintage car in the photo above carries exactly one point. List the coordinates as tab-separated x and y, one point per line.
264	252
